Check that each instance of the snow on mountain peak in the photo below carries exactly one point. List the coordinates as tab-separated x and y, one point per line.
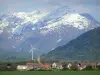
17	21
76	21
59	40
69	20
35	12
59	12
32	16
64	16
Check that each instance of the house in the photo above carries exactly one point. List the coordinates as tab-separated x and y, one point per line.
54	65
69	66
29	65
59	66
36	66
46	66
21	68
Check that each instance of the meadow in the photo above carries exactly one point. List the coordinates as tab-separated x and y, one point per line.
50	73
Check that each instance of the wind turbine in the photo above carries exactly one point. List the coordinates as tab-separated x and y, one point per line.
32	51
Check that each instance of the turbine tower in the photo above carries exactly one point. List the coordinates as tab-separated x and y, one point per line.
32	51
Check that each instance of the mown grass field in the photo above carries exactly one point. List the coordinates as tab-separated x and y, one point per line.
51	73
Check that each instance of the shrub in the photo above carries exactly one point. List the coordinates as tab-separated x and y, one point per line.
98	67
6	68
89	67
74	67
64	66
3	68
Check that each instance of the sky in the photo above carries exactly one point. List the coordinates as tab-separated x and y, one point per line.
81	6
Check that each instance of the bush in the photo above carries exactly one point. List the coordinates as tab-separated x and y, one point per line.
5	68
89	67
74	67
98	67
13	68
64	66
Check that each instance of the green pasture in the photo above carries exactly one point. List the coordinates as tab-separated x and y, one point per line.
50	73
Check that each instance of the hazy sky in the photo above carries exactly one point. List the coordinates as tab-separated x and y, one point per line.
81	6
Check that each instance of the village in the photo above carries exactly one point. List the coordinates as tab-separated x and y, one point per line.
58	66
55	66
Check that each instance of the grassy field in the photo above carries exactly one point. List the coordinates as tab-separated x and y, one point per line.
51	73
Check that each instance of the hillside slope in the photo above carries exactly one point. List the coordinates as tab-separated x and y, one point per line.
85	47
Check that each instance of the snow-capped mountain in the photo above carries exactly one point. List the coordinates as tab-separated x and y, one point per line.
44	30
18	21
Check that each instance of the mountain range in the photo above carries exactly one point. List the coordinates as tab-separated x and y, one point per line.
84	47
43	30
